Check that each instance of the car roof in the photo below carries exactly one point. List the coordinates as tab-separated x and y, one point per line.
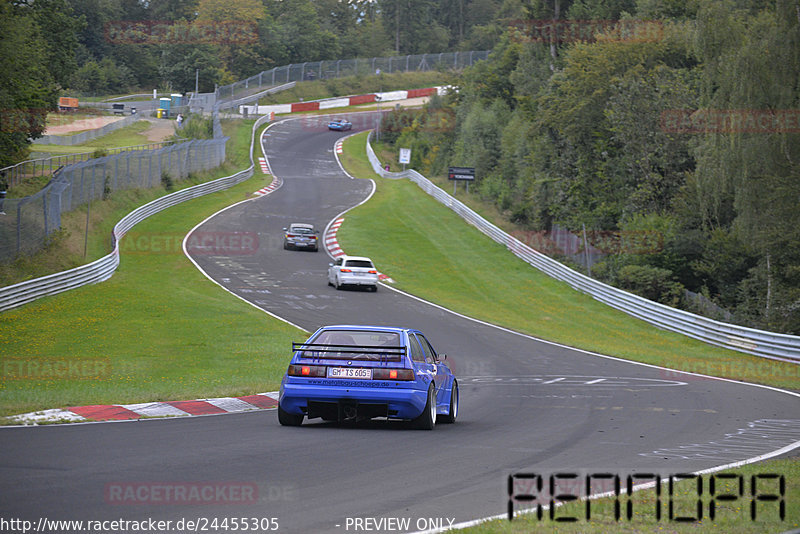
302	225
346	257
369	328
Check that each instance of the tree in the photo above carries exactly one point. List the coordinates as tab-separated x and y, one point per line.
27	89
56	20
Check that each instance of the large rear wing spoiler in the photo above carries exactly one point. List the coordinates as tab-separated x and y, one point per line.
354	352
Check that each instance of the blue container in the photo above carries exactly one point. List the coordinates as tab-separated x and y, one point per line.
177	99
164	103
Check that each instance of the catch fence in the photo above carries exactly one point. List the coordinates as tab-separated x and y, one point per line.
28	222
338	68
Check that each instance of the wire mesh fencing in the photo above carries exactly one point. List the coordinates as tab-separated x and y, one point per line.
338	68
27	223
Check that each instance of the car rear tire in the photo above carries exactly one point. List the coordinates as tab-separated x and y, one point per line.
451	416
285	245
337	285
374	288
427	419
289	419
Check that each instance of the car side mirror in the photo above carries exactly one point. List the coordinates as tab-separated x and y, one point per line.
330	265
284	229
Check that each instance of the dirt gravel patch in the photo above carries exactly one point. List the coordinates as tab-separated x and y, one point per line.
80	125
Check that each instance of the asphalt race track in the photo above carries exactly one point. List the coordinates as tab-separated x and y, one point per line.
526	405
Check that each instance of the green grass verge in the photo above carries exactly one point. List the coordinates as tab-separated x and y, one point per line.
355	85
464	270
165	331
733	516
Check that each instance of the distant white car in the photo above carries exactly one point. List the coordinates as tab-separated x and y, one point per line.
353	271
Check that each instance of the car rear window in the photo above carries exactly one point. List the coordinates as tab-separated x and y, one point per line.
359	263
354	345
300	230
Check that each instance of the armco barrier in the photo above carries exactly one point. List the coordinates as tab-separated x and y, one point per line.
771	345
102	269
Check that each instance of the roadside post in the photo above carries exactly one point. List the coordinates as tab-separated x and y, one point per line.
461	174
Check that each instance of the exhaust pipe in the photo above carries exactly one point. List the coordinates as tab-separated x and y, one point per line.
349	412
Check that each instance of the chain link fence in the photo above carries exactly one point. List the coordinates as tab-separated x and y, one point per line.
318	70
26	223
35	168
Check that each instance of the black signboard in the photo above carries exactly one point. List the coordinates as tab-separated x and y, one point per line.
461	173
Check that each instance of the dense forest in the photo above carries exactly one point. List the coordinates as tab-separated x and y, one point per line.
677	125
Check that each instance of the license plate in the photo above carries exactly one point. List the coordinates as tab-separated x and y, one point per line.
349	372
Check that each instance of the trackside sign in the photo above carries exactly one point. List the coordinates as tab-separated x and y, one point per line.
461	173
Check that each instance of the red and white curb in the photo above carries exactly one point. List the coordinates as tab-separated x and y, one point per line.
276	183
332	244
264	165
330	238
338	146
128	412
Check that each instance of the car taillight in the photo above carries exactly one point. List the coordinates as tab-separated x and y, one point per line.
307	370
392	374
372	271
291	235
313	237
346	271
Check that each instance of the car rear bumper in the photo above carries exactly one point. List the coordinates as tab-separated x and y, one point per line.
318	400
301	244
358	280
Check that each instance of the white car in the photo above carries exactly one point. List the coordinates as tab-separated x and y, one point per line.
353	271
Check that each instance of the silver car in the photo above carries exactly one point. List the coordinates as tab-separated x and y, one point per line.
301	235
353	271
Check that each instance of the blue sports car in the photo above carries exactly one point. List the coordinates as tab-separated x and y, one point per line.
352	373
340	125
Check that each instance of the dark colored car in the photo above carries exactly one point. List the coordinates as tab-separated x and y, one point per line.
301	235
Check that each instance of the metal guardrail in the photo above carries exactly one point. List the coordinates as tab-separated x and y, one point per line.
102	269
770	345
